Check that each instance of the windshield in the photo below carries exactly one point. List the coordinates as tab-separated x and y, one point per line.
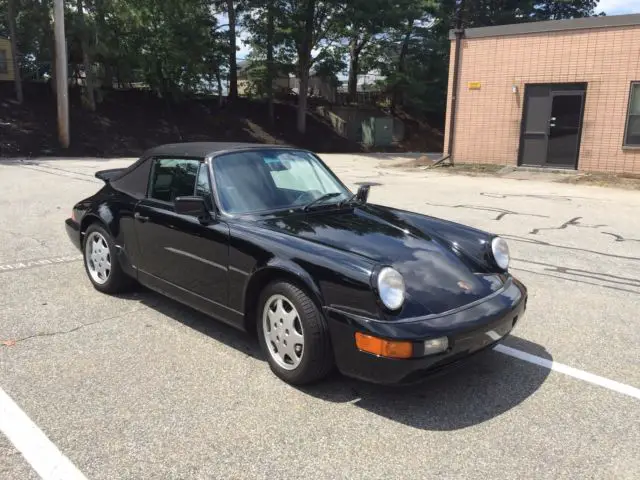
261	180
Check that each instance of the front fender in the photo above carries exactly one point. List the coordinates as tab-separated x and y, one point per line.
334	278
278	267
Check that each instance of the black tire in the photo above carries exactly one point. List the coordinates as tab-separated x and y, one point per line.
317	357
117	281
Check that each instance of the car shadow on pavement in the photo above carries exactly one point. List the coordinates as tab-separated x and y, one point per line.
200	322
486	386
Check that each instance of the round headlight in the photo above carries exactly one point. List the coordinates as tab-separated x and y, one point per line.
391	288
500	251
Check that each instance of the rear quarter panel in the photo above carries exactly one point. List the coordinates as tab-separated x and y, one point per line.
115	211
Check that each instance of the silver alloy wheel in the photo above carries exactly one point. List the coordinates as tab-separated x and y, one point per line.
98	257
283	332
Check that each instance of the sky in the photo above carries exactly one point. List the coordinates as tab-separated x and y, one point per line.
619	7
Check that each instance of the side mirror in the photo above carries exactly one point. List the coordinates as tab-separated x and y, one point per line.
192	206
363	193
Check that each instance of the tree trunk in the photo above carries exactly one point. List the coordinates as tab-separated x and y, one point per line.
107	81
354	58
219	82
302	100
163	90
14	50
233	66
304	64
398	97
270	65
355	49
88	74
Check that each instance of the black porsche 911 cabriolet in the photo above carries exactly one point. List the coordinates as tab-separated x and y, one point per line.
268	238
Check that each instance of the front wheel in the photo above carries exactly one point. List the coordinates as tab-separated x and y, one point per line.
293	334
100	262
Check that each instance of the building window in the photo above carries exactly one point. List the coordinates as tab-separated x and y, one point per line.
632	136
4	66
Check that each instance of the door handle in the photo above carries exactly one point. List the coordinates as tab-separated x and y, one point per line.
140	218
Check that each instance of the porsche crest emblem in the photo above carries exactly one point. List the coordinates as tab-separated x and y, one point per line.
464	286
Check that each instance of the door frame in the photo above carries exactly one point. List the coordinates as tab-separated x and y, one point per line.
567	88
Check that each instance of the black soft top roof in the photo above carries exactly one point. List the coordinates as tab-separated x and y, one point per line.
133	179
202	149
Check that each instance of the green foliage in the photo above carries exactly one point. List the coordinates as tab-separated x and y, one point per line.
178	46
417	74
168	43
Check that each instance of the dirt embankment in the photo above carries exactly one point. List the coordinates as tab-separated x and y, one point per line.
128	122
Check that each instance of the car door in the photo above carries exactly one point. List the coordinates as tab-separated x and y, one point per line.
180	255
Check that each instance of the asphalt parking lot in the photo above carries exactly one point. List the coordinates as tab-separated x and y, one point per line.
138	386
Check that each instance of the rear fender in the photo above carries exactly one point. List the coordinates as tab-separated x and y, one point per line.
103	214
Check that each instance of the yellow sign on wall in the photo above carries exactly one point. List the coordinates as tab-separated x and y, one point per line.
474	85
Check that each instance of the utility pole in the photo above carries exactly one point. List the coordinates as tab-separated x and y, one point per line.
62	89
459	33
270	65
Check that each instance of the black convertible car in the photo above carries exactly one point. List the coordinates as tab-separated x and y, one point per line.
268	238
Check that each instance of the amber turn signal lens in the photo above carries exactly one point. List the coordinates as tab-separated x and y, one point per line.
383	348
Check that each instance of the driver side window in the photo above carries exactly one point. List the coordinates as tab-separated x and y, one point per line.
173	178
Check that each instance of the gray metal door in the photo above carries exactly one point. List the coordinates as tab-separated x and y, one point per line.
552	119
384	131
564	129
535	128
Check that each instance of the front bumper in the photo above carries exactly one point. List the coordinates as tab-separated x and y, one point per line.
73	231
469	331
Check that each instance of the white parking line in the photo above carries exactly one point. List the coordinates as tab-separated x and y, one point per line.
12	267
572	372
567	370
43	456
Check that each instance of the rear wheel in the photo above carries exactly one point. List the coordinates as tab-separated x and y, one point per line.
102	267
293	334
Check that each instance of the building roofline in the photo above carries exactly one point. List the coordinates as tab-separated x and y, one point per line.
546	26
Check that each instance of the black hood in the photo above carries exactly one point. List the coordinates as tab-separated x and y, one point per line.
437	278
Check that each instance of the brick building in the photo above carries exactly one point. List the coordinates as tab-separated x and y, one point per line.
562	93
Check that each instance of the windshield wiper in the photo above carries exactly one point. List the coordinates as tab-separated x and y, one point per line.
322	198
349	200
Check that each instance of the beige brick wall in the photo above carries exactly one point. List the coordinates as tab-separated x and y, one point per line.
5	47
488	120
